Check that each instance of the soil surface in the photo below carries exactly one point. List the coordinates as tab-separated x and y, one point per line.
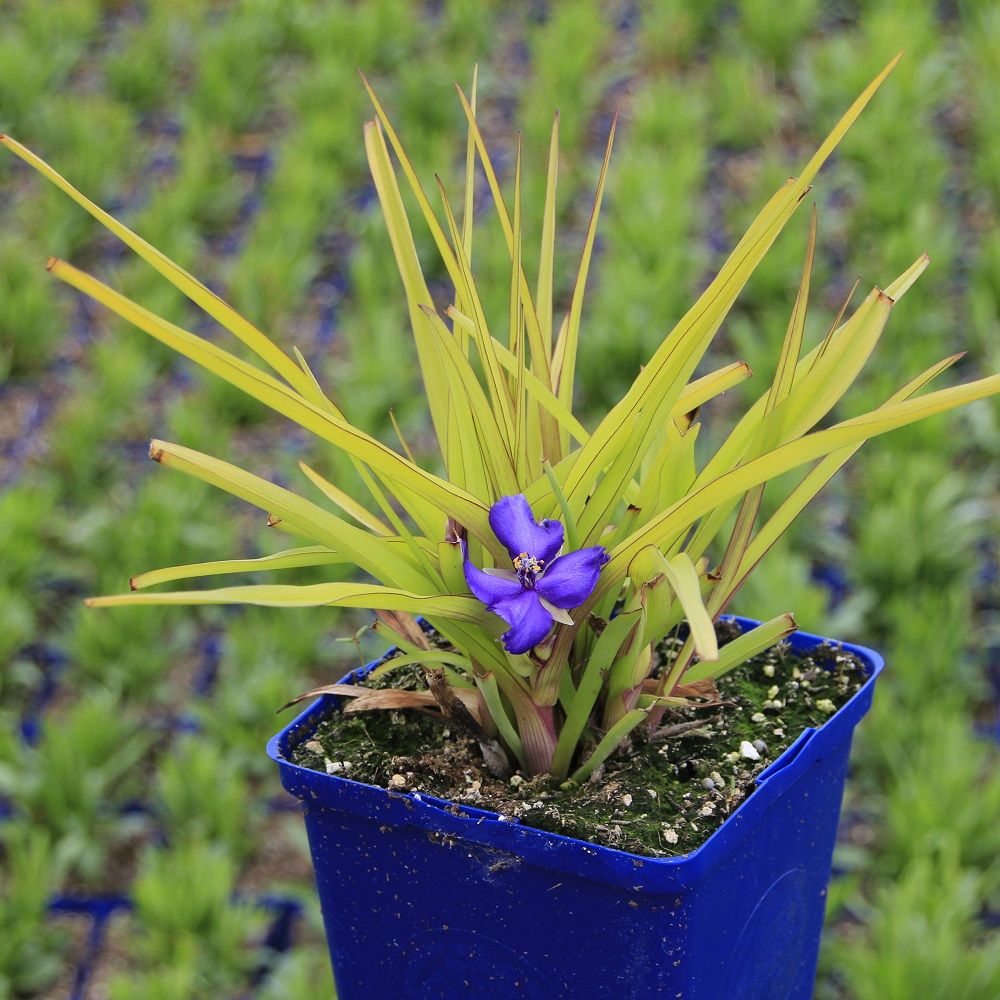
661	796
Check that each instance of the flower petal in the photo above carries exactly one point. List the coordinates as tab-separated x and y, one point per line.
529	622
490	589
514	524
571	578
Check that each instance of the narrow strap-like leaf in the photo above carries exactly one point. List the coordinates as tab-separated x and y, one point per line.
741	649
485	344
423	656
308	555
470	174
345	502
533	385
203	297
801	451
781	388
813	482
539	354
659	382
314	595
487	684
449	498
414	285
475	418
546	260
683	578
588	690
567	373
300	516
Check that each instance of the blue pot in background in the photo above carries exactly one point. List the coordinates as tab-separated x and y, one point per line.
423	899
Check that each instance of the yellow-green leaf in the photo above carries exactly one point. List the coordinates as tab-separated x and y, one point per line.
315	595
741	649
203	297
309	555
345	502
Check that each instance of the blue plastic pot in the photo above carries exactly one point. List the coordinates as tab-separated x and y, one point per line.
425	899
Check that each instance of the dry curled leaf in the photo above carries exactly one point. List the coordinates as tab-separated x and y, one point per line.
404	625
700	694
370	699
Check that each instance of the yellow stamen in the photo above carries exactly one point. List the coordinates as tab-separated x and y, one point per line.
527	564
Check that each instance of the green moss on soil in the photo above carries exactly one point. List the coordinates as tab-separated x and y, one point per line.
661	797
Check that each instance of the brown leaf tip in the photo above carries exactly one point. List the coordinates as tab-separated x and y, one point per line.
454	533
155	452
131	583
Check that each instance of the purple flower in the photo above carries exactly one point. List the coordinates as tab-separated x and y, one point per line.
542	584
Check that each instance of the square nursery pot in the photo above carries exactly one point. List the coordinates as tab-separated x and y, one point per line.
425	899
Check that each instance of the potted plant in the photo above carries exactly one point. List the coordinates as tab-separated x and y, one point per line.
552	599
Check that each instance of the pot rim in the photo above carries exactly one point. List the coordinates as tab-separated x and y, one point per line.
439	817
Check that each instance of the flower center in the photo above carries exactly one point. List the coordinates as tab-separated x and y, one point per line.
528	567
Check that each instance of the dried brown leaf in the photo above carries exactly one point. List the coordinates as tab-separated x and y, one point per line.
405	626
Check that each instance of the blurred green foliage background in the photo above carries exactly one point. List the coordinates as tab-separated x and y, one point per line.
229	134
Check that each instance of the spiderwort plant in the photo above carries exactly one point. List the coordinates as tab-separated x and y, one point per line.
551	558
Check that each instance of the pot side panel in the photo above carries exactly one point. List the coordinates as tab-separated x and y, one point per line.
416	914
